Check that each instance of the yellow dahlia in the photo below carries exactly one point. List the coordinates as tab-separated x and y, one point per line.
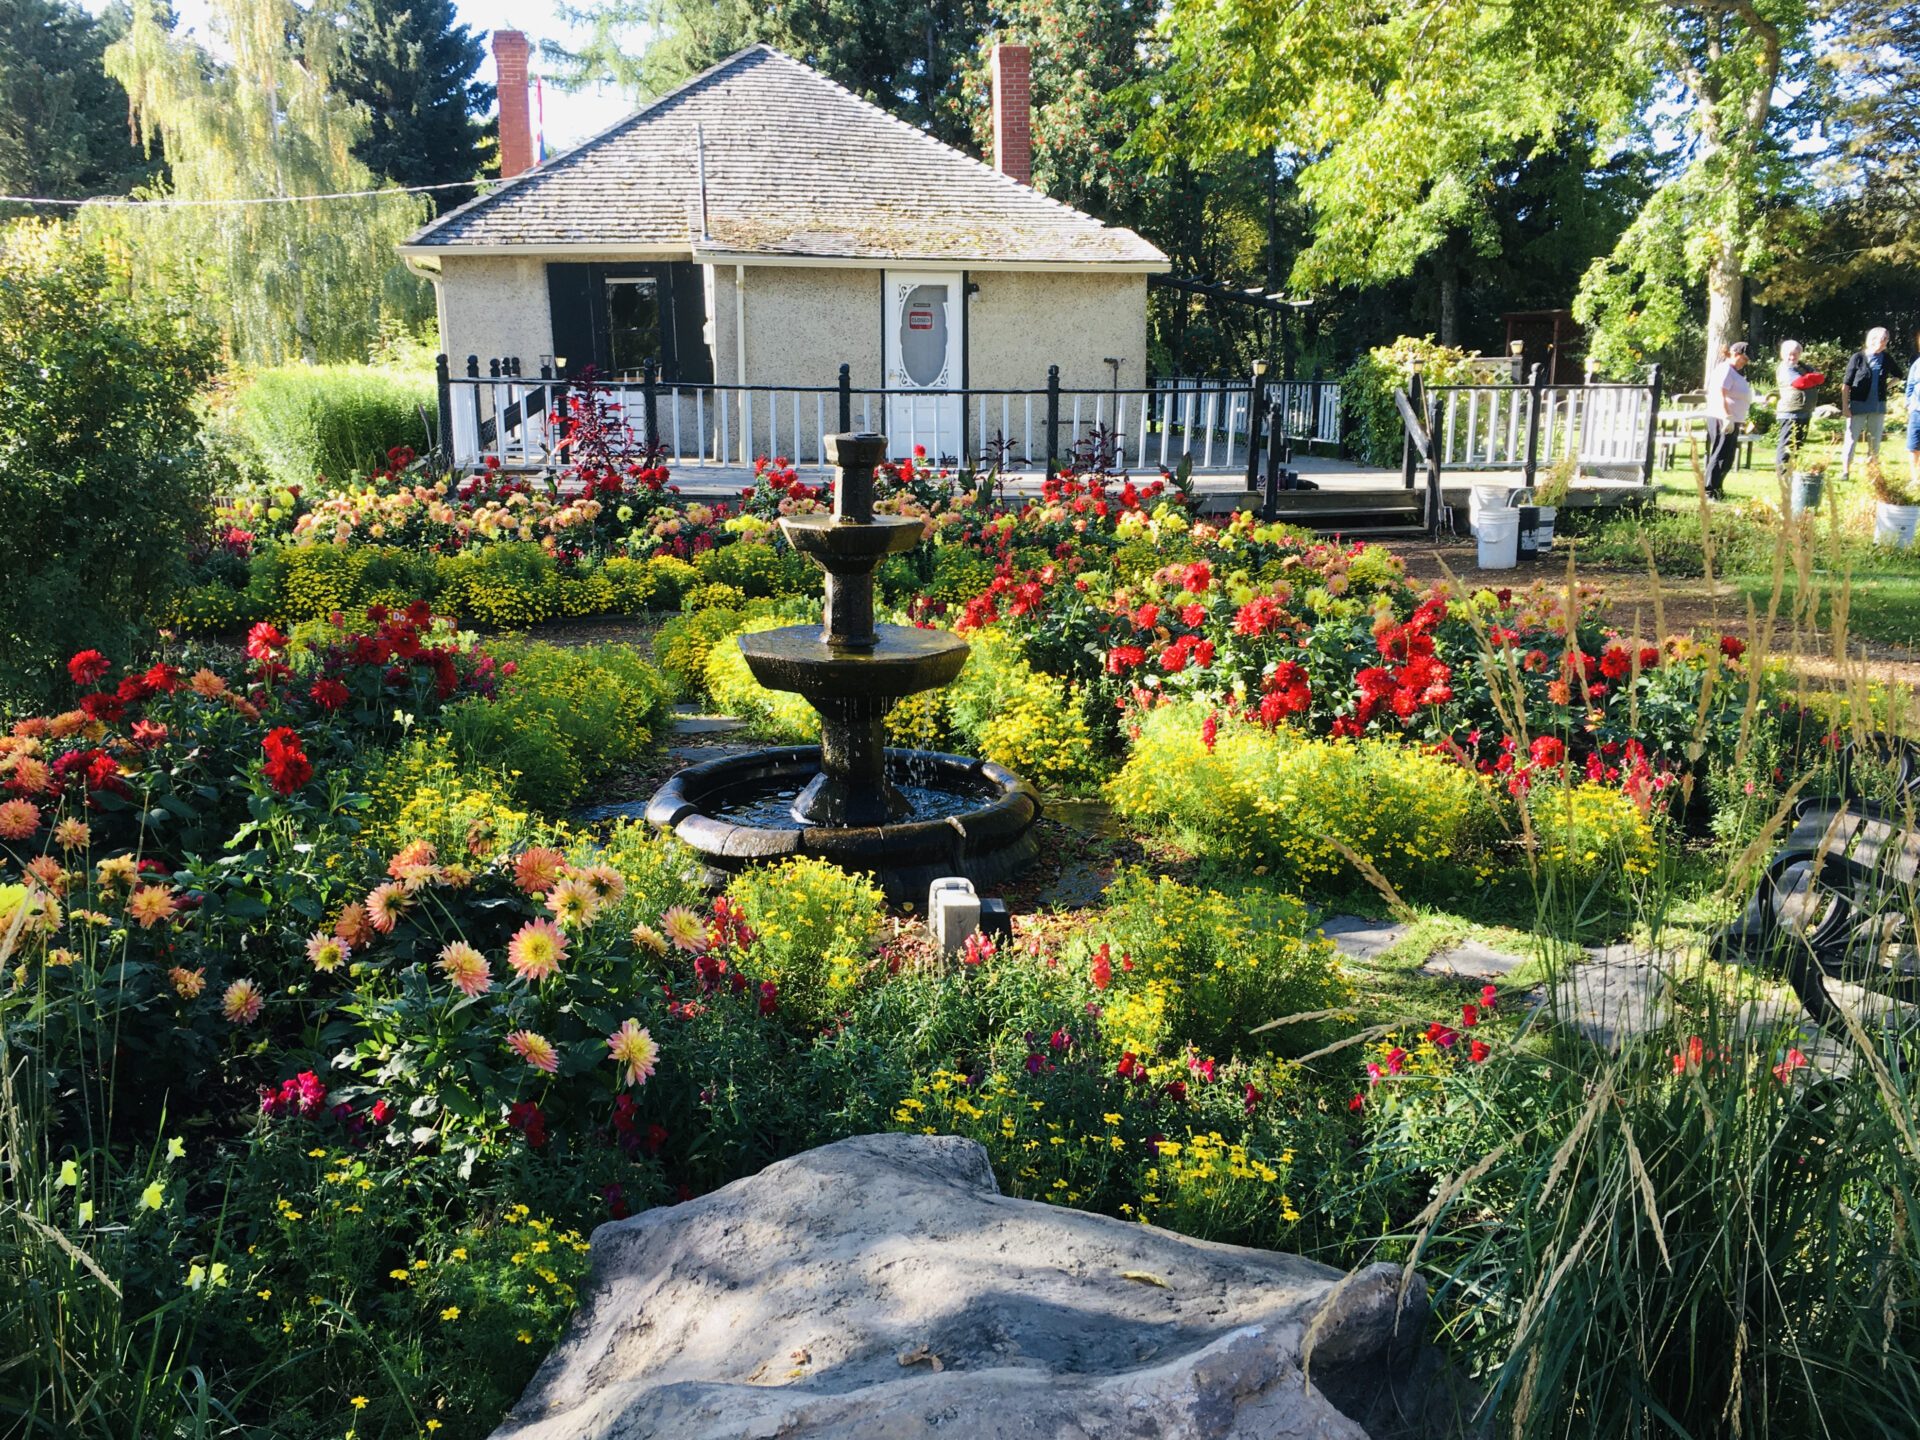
537	870
327	952
685	929
72	834
536	952
634	1048
466	969
386	905
536	1050
150	905
573	903
242	1003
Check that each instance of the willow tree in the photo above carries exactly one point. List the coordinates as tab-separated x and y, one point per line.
250	137
1403	114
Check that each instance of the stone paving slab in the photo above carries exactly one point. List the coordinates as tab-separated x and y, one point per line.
1361	939
1472	960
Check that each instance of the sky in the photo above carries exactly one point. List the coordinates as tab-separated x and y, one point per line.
566	119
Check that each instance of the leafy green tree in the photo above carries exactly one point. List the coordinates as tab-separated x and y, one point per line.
1404	116
412	68
63	120
292	278
99	478
904	55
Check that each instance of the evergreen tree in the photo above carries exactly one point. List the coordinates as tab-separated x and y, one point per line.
63	120
904	55
413	68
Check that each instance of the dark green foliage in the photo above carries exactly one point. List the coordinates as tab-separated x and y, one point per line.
304	421
100	482
759	571
413	68
63	121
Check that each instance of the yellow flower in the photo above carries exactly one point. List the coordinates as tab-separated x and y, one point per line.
153	1196
359	1402
69	1173
452	1312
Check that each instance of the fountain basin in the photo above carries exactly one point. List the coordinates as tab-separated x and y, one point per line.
987	840
903	661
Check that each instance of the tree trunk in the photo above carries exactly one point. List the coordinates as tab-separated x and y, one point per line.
1449	304
1725	282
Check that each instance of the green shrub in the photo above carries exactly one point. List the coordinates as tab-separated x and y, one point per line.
565	718
712	597
1588	833
304	422
100	481
212	609
680	649
1367	386
1275	800
814	922
672	578
759	571
1190	966
775	715
1029	721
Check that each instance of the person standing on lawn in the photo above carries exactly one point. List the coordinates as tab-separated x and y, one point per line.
1793	410
1863	396
1729	398
1913	415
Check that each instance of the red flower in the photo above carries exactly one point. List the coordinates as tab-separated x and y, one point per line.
88	666
1548	750
1615	662
769	997
1124	657
1146	617
1441	1035
329	694
1731	647
263	640
1488	997
1253	1097
103	705
525	1116
1210	730
1478	1052
287	767
1358	1102
1126	1066
161	679
1194	615
1469	1015
1198	577
1649	658
1176	1090
1102	970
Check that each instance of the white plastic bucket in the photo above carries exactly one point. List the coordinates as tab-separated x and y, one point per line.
1893	525
1482	498
1499	539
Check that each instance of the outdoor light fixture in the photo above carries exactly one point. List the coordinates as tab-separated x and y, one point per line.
1259	367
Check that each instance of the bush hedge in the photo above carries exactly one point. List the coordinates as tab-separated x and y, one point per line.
304	423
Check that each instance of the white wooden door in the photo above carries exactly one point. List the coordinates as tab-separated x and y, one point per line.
923	325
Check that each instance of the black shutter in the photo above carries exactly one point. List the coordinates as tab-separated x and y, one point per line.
570	303
693	362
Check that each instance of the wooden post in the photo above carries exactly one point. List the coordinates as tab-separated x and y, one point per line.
443	387
1653	424
1277	457
1053	419
1313	409
648	371
846	399
1416	392
1256	388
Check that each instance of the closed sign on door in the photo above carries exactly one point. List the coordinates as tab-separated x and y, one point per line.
920	317
923	335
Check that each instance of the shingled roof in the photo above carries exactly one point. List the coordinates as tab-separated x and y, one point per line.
796	166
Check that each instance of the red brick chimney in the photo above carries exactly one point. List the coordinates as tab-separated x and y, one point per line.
1012	107
510	52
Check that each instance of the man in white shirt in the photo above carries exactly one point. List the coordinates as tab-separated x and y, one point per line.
1729	398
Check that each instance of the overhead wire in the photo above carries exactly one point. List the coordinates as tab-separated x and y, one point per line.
125	202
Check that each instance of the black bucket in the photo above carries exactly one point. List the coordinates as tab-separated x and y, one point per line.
1529	550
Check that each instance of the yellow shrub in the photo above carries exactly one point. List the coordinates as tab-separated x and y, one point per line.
775	714
1030	722
1275	799
1588	830
814	923
423	793
210	609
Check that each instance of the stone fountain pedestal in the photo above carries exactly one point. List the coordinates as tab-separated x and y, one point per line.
849	806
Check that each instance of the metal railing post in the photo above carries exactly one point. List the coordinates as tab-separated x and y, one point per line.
846	399
648	401
1313	407
443	388
1278	454
1436	495
1535	386
1653	424
1255	386
1053	419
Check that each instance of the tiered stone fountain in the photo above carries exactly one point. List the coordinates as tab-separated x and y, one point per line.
906	816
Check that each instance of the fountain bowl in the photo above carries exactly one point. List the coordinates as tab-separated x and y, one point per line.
987	836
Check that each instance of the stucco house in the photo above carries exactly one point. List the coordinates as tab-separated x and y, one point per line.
761	226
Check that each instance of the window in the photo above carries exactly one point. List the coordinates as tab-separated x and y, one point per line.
633	323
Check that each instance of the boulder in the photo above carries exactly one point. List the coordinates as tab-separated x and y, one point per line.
883	1287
